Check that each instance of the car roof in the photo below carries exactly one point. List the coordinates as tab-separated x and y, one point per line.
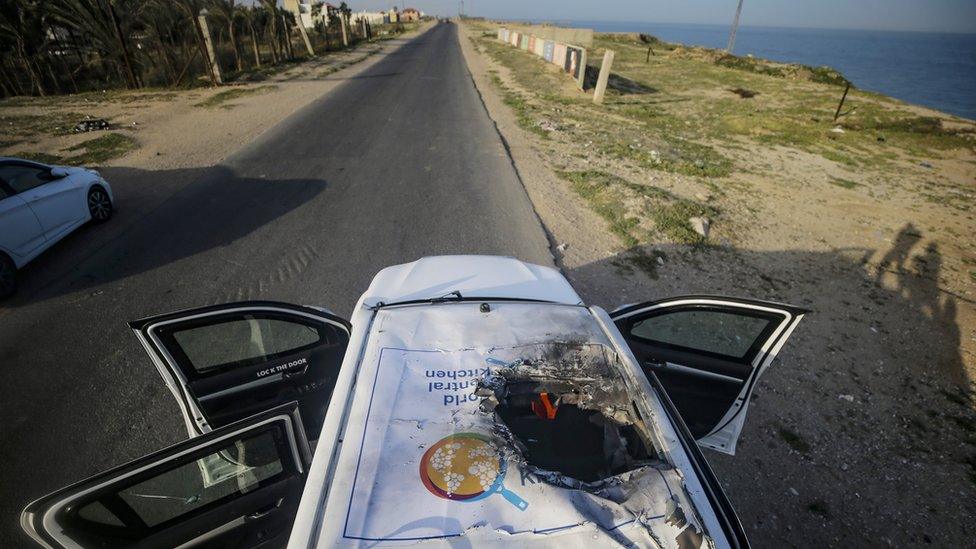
410	388
5	159
472	276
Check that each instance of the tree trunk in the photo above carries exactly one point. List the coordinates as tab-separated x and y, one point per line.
127	62
54	79
272	40
233	45
10	81
254	44
36	82
167	62
286	35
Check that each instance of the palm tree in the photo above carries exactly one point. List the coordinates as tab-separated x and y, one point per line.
227	12
21	25
249	15
101	25
271	7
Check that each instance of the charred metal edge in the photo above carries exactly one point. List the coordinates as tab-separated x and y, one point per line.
724	512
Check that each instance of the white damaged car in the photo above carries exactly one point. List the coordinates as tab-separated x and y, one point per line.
472	401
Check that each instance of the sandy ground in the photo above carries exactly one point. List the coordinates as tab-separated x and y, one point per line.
173	131
863	431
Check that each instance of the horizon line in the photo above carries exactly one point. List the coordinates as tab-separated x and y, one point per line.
797	27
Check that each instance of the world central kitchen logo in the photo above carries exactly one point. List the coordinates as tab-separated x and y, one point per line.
456	386
466	467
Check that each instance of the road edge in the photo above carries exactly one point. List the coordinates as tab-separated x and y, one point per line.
577	235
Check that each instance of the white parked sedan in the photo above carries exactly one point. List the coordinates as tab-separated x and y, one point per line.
40	205
472	402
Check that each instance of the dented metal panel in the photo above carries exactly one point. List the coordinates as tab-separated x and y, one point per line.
426	456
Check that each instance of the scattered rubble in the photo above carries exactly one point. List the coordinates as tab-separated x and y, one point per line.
90	124
548	125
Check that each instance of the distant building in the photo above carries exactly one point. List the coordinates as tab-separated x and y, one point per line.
310	12
372	17
410	14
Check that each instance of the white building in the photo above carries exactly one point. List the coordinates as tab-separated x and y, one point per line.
303	12
372	17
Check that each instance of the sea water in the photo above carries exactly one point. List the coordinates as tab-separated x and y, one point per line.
937	70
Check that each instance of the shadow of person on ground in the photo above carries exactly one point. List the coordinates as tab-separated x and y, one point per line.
873	379
161	217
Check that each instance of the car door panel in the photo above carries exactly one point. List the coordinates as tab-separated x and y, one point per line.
20	230
708	352
226	362
165	500
60	205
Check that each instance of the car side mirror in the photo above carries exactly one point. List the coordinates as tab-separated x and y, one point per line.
58	173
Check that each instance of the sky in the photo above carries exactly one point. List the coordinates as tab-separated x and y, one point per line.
913	15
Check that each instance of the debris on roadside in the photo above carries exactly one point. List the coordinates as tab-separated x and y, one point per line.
548	125
90	124
700	225
744	93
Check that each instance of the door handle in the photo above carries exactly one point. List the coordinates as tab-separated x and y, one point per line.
257	515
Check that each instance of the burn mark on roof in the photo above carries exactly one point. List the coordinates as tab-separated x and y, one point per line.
564	414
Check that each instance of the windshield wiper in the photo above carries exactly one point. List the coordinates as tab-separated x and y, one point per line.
452	296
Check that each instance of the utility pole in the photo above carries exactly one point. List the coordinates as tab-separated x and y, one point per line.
735	27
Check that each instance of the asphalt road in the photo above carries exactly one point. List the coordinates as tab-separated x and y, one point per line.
399	162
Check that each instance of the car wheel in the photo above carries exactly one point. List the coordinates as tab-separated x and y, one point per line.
8	276
99	204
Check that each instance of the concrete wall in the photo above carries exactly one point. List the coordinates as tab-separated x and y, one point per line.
579	37
571	58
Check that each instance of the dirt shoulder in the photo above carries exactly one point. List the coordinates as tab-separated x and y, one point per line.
169	129
864	431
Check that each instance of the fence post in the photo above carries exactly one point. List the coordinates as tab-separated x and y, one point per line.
342	23
841	104
304	32
208	41
601	82
581	80
295	9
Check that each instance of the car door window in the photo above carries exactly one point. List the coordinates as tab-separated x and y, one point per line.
707	353
22	178
244	341
713	331
230	361
169	498
180	490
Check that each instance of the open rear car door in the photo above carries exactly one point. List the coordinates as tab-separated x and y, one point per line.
165	499
227	362
708	352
